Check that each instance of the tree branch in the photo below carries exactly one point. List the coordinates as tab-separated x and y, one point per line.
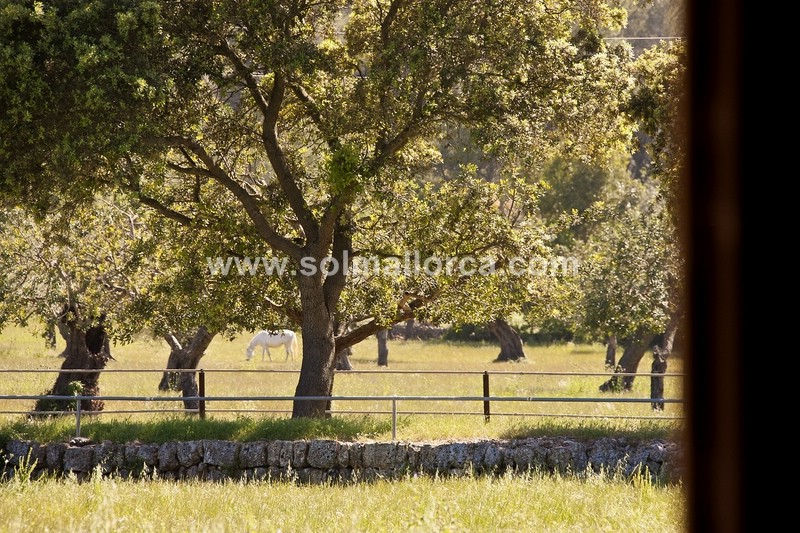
270	110
314	113
246	74
370	328
386	24
263	227
164	210
173	341
279	164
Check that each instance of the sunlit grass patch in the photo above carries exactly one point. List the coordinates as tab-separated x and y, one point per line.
244	418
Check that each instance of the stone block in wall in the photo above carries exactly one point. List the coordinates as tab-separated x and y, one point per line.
170	475
274	449
379	455
441	458
276	473
605	454
299	450
566	456
404	458
55	456
322	454
190	453
110	456
343	455
216	474
493	457
636	460
193	472
168	457
253	454
139	455
356	453
79	459
458	455
221	453
427	458
17	451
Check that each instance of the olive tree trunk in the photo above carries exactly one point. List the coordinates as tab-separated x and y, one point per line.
510	341
85	350
409	329
342	360
383	347
611	352
628	364
185	355
660	361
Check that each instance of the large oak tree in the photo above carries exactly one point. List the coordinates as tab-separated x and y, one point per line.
306	120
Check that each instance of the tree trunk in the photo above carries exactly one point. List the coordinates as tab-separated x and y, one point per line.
185	356
342	360
409	331
59	323
316	371
660	357
383	347
50	333
510	341
659	366
611	352
629	363
85	350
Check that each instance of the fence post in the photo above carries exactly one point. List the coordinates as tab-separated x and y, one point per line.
486	410
78	400
201	391
394	420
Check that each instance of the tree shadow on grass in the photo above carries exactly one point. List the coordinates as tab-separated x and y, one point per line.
241	429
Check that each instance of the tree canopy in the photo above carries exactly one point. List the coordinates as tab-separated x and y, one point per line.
297	129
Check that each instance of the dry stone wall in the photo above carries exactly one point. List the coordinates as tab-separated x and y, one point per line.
320	461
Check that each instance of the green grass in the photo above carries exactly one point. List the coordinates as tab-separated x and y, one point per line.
532	502
242	429
19	349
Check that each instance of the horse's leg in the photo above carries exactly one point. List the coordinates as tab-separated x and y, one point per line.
269	354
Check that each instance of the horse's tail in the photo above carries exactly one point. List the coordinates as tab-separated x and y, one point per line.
294	343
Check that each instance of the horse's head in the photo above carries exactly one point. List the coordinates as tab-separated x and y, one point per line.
249	352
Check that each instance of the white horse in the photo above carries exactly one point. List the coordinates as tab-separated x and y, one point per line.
273	339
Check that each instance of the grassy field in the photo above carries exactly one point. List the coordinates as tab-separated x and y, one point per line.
512	503
533	502
20	349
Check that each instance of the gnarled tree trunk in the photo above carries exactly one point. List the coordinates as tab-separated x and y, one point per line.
342	360
611	352
185	356
628	364
85	350
510	341
660	361
383	347
409	330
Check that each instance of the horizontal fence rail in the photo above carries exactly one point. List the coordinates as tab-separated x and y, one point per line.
202	399
343	372
393	399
